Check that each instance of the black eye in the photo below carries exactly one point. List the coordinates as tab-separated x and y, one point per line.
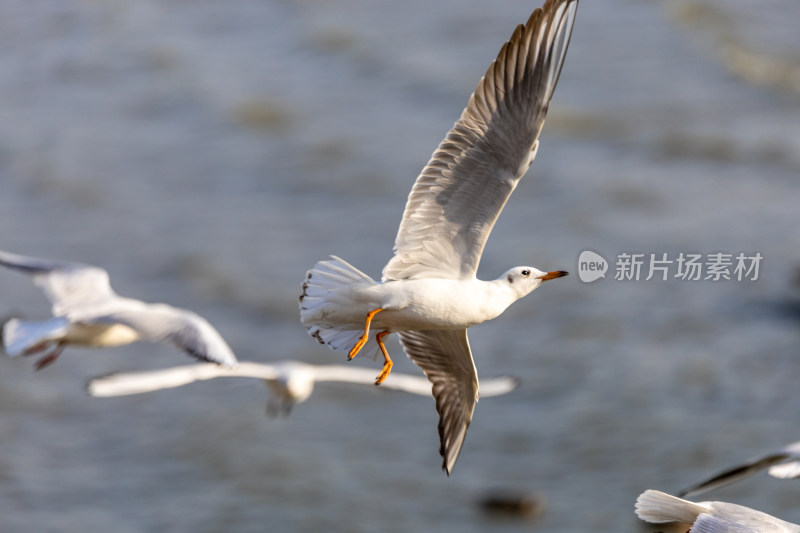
526	272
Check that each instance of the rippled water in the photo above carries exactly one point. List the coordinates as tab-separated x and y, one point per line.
208	153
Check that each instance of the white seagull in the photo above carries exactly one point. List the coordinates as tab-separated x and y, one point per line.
291	382
87	312
429	294
708	517
783	463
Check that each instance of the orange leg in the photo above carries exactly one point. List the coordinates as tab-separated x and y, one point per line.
387	364
365	337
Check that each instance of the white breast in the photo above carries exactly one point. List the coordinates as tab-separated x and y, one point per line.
97	335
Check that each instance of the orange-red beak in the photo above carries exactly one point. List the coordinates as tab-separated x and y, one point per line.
553	275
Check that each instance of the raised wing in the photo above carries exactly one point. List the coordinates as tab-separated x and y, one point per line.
163	323
460	193
446	359
67	285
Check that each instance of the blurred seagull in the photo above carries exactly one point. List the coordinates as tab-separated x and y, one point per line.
775	461
708	517
429	294
290	382
87	312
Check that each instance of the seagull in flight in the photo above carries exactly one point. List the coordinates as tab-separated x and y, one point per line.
429	294
290	382
88	313
708	517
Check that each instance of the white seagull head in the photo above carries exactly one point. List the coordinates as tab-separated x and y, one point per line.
524	279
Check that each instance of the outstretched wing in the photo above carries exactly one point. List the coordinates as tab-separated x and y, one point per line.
446	359
498	386
735	474
128	383
163	323
790	470
67	285
460	193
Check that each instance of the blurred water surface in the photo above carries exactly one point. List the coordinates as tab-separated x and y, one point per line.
208	153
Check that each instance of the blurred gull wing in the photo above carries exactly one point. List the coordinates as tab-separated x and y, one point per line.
747	469
445	357
67	285
786	471
418	385
460	193
128	383
163	323
497	386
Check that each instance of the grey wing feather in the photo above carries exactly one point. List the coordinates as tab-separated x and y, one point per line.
460	193
734	474
67	285
162	323
445	357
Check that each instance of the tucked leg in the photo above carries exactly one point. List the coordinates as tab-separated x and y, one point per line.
50	358
365	337
37	348
387	364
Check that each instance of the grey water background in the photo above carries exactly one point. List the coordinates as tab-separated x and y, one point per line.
208	153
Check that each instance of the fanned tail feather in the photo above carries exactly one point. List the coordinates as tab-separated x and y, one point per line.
658	507
320	289
20	336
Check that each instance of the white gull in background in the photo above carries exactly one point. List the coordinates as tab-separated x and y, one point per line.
429	293
707	517
88	313
291	382
783	463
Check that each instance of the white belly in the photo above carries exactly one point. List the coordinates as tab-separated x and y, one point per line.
436	304
97	335
410	305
